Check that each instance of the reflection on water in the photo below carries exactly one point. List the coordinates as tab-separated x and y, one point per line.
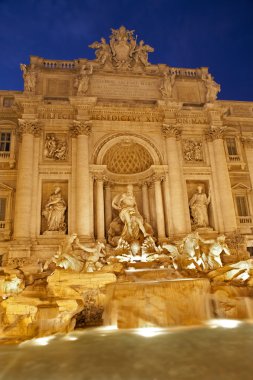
205	353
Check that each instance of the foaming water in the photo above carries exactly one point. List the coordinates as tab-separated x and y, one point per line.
157	303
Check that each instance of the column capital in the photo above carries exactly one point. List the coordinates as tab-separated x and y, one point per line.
158	177
171	131
80	127
247	142
27	126
215	132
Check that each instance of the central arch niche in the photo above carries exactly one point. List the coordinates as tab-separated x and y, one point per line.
127	157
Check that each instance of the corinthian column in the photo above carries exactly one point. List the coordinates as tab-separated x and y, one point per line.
159	207
27	129
224	186
108	205
100	213
145	202
81	130
176	184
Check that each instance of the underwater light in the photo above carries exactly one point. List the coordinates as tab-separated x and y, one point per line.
225	323
149	332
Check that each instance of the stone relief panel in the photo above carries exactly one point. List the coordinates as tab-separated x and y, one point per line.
55	147
54	206
193	150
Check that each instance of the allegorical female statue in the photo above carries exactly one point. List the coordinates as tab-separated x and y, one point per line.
54	211
198	205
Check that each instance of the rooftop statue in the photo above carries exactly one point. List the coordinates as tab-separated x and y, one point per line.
29	76
212	88
83	79
123	51
167	85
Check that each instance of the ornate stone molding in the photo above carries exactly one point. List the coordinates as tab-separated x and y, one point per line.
171	131
80	128
215	132
247	142
31	127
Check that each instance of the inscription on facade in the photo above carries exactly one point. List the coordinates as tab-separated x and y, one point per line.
192	120
152	117
55	115
125	88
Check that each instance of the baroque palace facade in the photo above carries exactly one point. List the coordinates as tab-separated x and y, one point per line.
82	130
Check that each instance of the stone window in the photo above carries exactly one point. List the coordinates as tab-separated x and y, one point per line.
2	209
231	146
242	205
6	196
8	102
5	141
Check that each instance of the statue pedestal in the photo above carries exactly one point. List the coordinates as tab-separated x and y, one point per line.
54	233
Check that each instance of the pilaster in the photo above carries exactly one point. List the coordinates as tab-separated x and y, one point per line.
27	130
81	130
226	204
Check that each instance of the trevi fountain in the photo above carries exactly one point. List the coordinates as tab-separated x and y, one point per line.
119	237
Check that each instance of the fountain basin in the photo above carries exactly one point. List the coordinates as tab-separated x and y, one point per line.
206	353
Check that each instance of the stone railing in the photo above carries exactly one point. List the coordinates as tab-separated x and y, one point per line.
234	158
5	155
244	219
55	64
184	72
2	224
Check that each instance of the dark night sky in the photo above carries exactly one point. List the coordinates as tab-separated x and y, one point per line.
184	33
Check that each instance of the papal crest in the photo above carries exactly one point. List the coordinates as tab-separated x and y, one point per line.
123	50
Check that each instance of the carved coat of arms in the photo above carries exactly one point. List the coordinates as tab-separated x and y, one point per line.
122	50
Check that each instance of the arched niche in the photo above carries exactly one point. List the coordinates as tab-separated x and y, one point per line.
143	144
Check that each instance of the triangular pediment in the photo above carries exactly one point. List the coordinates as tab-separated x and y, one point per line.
5	187
241	186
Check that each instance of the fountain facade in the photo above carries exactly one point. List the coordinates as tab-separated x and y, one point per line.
121	184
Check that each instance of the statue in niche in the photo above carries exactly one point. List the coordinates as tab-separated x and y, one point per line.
212	89
129	215
55	148
54	212
198	205
167	85
83	79
29	76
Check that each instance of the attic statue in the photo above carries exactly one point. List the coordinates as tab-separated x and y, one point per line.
29	76
128	212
